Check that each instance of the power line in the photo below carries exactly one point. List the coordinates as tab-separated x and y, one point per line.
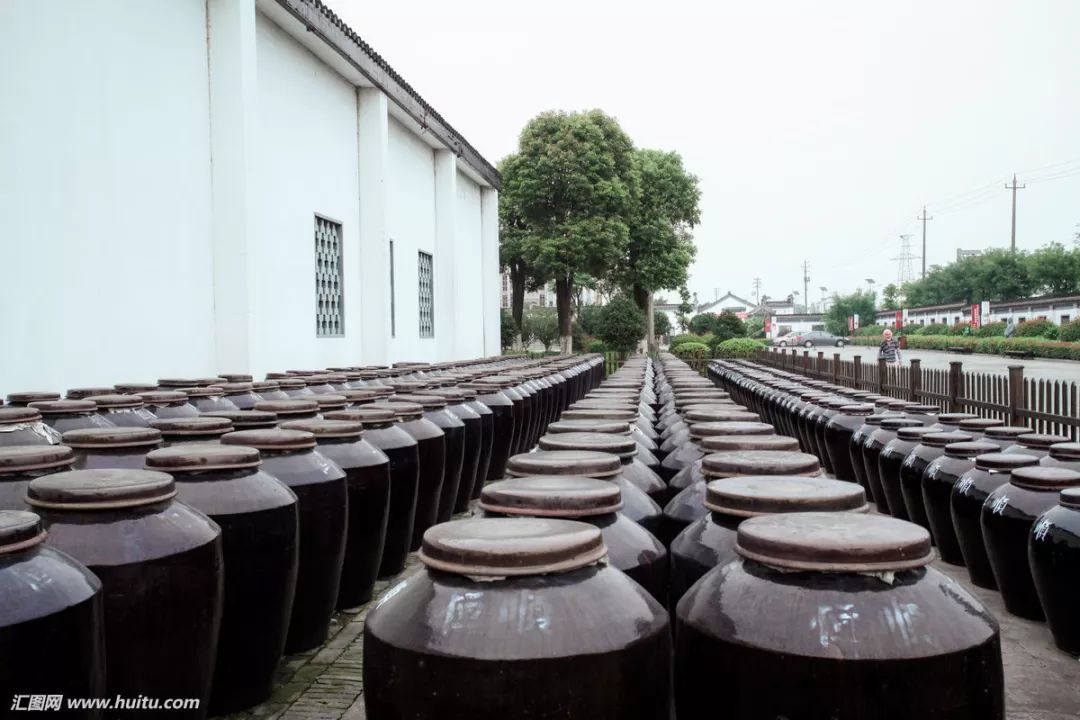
757	290
904	273
924	218
806	283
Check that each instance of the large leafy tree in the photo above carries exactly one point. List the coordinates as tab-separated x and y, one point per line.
859	303
569	191
513	231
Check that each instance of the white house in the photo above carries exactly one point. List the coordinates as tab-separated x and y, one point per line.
1058	310
729	302
228	185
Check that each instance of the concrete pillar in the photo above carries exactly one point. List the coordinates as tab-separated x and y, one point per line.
373	128
489	270
233	147
448	326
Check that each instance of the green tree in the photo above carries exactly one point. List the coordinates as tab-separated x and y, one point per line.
507	330
860	302
542	326
622	324
755	327
571	189
702	324
890	297
1055	269
727	326
513	232
661	323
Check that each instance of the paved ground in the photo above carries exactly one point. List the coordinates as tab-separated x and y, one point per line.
1047	369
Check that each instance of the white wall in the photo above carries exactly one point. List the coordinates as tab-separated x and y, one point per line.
411	222
307	135
469	304
104	193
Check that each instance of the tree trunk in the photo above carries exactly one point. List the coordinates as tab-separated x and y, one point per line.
564	295
650	326
517	299
641	297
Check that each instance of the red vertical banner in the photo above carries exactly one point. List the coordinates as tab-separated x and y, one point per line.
899	319
851	323
975	315
768	326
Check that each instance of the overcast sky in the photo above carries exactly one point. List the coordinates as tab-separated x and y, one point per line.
818	129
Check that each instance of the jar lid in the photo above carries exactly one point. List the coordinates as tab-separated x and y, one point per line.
980	423
703	415
402	410
117	402
114	437
164	397
1007	432
922	409
134	388
27	458
19	530
199	458
1070	497
729	443
275	439
25	398
1004	461
335	378
246	419
731	427
1041	441
500	547
83	393
205	391
237	388
105	489
970	449
857	410
1038	477
763	494
1065	451
360	395
941	439
759	462
916	433
837	403
955	418
304	373
176	382
330	401
875	419
607	402
265	385
565	462
328	428
615	427
284	408
834	542
63	407
452	394
237	377
600	414
365	415
18	415
201	425
890	422
552	496
622	445
292	383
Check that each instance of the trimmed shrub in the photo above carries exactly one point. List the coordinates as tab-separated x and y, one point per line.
960	328
694	350
596	346
1070	331
994	329
737	348
622	324
728	325
934	329
1037	329
989	346
869	331
685	338
911	329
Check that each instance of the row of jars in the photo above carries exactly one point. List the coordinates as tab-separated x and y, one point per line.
1002	501
784	589
231	536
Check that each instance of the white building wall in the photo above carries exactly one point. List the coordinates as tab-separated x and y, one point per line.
411	221
469	286
104	193
308	165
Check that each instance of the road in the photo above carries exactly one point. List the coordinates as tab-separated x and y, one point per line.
1044	369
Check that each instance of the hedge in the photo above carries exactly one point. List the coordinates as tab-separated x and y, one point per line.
737	348
935	329
1037	329
694	350
1070	331
989	346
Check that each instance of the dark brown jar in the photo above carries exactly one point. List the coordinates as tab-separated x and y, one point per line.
331	402
24	399
166	404
839	432
871	452
85	392
260	539
1054	557
453	429
367	472
1064	455
690	451
319	384
268	390
382	430
1004	435
209	398
24	426
491	397
293	387
431	452
1036	444
123	410
321	494
977	427
991	471
631	548
710	540
621	446
20	464
247	419
359	397
938	480
508	387
181	431
1008	516
869	630
291	409
473	437
855	449
931	446
637	505
236	377
241	394
118	447
487	438
160	566
556	659
729	443
52	624
64	415
948	422
689	504
890	459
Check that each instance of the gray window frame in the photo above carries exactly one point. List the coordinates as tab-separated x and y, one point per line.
321	330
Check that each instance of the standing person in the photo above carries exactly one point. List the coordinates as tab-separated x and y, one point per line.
889	350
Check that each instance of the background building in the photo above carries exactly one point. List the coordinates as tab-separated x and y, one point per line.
229	185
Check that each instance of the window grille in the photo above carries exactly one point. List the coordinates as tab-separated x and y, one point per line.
329	284
426	291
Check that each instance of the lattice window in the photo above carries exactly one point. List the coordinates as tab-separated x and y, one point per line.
329	283
426	289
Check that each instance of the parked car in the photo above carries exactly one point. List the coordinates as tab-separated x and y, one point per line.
810	339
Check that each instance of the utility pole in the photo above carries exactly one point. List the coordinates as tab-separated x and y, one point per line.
924	218
757	290
823	290
806	284
1014	187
